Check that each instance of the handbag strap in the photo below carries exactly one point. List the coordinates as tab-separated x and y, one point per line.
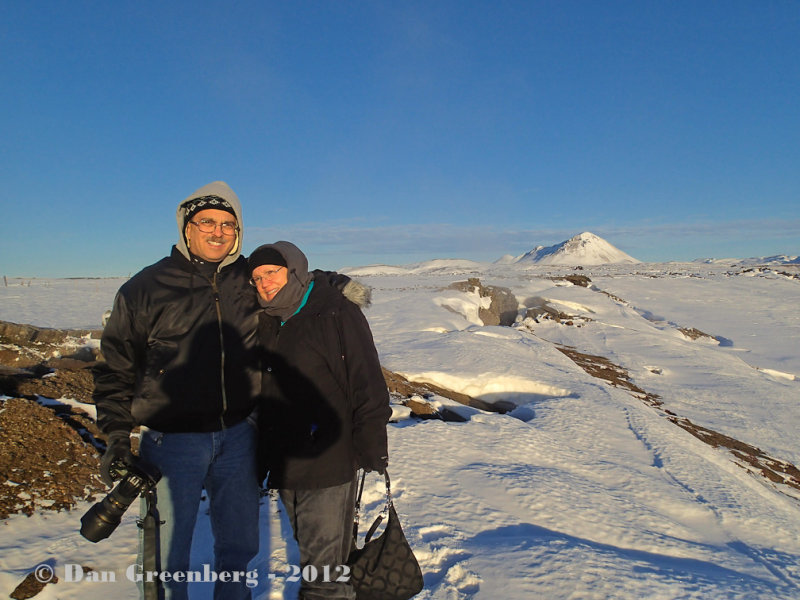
356	515
378	521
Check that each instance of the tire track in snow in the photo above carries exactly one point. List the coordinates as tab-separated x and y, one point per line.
784	476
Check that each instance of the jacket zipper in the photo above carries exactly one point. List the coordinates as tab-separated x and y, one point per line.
222	350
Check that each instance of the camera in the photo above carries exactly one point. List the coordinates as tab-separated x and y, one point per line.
102	519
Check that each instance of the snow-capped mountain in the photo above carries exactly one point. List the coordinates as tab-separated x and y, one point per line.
583	249
781	259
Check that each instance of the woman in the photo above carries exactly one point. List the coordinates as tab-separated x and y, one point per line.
325	407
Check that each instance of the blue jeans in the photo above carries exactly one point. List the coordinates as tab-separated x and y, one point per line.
224	463
322	521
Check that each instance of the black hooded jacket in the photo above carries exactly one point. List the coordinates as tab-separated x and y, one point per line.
179	346
326	404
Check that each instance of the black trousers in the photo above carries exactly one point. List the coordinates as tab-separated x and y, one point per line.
322	521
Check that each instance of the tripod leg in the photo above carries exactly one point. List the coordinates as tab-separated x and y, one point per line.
151	560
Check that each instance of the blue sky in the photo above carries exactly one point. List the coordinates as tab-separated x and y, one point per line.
397	132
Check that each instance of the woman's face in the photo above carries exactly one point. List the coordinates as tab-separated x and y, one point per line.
269	280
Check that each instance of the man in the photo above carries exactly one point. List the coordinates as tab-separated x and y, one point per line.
179	362
325	411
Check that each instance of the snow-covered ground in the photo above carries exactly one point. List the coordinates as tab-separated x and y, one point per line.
583	491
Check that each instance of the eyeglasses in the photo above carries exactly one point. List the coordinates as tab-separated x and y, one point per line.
210	226
254	281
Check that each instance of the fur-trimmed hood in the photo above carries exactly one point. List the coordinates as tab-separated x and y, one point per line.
358	293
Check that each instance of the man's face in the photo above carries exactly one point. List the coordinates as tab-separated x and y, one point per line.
216	245
269	280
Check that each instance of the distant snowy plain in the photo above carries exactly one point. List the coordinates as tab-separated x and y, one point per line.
582	491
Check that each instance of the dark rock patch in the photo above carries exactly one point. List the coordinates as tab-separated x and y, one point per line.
503	308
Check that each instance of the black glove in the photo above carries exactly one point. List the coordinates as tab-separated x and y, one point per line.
378	464
117	456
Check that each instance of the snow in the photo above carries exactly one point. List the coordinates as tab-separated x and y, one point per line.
582	491
59	303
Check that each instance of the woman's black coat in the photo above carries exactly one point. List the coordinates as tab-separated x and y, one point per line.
325	403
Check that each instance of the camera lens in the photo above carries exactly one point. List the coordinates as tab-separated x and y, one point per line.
102	519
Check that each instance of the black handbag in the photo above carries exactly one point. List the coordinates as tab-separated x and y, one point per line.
385	568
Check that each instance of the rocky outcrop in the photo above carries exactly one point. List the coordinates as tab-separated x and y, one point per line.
24	346
538	310
579	280
503	307
415	395
29	334
45	463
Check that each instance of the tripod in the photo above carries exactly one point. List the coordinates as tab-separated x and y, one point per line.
151	548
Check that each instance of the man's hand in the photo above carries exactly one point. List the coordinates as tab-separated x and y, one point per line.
118	451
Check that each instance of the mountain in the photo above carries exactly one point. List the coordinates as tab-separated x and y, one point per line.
777	260
437	265
781	259
583	249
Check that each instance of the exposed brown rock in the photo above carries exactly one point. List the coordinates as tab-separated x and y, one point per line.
693	334
44	461
404	388
580	280
503	308
30	587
